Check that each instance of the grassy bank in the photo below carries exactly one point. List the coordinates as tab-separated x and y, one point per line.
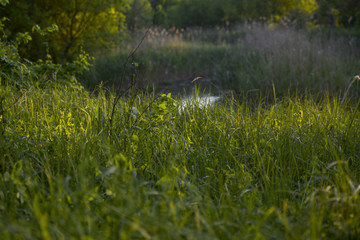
251	59
277	156
289	170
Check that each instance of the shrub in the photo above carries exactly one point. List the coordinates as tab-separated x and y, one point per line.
14	69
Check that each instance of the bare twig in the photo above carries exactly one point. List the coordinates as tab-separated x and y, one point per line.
118	96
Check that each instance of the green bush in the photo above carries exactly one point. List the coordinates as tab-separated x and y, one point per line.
15	69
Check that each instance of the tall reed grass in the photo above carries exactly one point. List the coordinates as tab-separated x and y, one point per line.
286	171
249	59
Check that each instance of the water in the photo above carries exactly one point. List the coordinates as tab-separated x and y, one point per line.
203	101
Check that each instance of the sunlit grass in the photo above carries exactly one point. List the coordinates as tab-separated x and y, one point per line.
273	156
287	170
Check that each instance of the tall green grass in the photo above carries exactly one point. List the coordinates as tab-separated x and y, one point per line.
235	170
75	166
251	59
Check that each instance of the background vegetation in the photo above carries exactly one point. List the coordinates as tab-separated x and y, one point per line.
92	25
248	60
276	157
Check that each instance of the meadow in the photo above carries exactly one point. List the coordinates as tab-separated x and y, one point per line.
276	157
248	59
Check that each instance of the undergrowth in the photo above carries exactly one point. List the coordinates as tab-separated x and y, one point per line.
76	164
287	170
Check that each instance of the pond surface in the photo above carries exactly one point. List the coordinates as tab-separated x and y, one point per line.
202	101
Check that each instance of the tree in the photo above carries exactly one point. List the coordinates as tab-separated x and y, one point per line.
161	11
138	15
339	12
196	13
82	23
348	11
183	13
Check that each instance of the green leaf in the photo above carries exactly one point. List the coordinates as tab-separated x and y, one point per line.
135	138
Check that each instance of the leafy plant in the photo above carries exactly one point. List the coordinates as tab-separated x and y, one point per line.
89	24
22	72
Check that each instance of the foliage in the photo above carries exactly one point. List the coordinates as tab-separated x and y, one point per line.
300	13
95	25
242	169
138	15
85	23
346	12
17	70
204	13
4	2
195	13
